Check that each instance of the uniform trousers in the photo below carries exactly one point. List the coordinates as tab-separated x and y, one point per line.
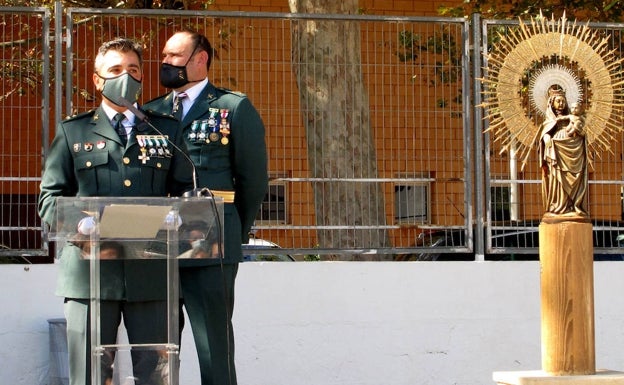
145	323
208	297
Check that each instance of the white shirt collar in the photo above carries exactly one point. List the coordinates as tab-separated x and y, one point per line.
110	113
192	93
127	123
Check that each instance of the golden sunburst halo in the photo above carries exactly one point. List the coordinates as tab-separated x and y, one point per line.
548	49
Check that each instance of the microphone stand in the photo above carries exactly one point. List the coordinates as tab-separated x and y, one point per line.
196	192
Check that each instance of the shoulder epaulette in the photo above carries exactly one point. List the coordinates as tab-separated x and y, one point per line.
227	90
80	115
151	112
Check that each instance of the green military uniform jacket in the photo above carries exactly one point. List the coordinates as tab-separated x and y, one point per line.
237	163
87	159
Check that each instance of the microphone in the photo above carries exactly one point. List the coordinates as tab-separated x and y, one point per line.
198	192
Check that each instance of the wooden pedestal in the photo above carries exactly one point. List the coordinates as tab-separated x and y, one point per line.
567	298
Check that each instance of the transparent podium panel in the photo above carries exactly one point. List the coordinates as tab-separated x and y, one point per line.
127	252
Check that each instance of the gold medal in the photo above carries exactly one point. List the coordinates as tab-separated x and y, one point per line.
143	157
224	127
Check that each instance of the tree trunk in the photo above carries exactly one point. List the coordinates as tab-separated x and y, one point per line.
341	149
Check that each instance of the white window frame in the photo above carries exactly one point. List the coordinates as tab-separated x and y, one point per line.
412	199
275	181
507	205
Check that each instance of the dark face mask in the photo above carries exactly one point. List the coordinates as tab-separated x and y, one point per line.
174	76
122	86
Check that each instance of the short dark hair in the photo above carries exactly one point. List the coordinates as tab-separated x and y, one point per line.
201	42
119	44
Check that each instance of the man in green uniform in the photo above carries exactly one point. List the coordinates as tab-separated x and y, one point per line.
87	158
224	137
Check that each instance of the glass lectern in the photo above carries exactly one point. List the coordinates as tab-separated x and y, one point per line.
130	249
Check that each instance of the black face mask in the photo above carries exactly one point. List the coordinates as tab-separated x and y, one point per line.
174	76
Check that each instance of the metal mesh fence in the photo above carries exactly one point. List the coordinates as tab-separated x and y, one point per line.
513	187
391	173
24	103
413	70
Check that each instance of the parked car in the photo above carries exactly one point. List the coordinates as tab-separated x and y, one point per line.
256	251
520	241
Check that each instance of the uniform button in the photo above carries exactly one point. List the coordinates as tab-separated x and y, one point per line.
127	183
126	160
88	163
158	165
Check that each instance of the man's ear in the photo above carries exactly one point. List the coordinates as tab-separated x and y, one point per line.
202	56
98	81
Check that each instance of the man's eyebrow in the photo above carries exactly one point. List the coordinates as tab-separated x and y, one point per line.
174	52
